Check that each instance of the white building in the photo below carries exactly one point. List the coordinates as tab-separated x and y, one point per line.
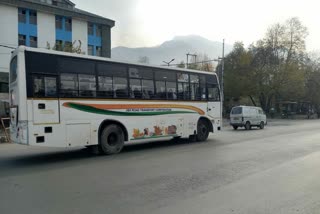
50	23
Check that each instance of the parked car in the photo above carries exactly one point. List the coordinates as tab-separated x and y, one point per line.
247	117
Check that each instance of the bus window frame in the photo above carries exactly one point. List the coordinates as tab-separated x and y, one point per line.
43	76
121	70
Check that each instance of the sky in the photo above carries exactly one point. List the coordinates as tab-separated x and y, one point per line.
143	23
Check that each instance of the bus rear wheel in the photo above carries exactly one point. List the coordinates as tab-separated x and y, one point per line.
111	140
202	131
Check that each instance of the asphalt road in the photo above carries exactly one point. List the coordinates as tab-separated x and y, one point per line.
275	170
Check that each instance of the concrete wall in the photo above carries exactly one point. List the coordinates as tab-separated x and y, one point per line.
8	35
80	32
46	30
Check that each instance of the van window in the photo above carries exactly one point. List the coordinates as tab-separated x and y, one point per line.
237	110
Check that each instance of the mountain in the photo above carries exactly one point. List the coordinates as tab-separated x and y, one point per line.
176	48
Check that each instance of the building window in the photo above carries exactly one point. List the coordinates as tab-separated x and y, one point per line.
22	39
58	22
33	17
90	50
98	31
90	29
55	3
68	25
98	51
33	41
22	16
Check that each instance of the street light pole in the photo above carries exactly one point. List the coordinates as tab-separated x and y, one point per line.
222	82
168	63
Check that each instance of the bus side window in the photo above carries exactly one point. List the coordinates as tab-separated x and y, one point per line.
105	87
87	85
44	86
50	86
183	86
171	90
38	86
69	85
120	87
213	93
147	89
194	84
203	88
135	88
161	89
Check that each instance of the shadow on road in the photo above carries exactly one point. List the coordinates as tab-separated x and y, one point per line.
17	163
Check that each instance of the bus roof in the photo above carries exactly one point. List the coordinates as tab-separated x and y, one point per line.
61	53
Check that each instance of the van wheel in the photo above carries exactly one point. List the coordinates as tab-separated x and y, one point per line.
111	140
235	127
202	131
261	125
247	126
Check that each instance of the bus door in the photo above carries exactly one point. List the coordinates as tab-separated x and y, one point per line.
214	103
45	100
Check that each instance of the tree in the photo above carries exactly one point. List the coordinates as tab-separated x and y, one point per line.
181	65
272	69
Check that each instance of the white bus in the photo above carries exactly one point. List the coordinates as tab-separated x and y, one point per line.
61	99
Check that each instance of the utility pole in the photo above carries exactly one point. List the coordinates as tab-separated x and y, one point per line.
222	82
194	55
222	72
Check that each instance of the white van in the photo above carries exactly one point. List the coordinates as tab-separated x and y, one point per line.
247	116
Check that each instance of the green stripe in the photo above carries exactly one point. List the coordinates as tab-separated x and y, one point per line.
94	110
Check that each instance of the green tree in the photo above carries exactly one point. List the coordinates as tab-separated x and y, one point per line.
270	70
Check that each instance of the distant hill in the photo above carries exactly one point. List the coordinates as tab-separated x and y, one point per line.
173	49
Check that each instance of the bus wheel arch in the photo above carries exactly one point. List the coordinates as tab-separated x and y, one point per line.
112	135
106	123
204	127
209	123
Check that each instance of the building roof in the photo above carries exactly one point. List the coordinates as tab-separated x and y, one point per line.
72	11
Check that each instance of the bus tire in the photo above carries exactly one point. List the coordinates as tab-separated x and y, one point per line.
202	130
111	140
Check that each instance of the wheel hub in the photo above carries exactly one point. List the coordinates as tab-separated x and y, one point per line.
112	139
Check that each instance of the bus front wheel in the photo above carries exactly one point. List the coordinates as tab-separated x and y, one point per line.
202	131
111	140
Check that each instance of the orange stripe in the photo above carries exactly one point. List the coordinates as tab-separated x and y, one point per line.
139	106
